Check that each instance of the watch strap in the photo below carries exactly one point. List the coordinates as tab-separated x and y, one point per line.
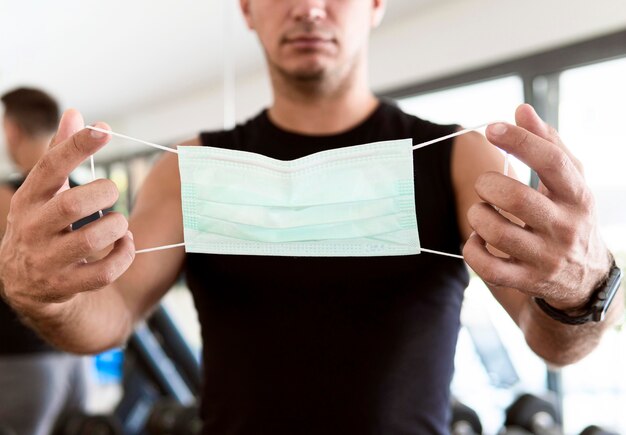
596	308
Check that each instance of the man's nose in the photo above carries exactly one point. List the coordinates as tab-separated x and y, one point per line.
309	10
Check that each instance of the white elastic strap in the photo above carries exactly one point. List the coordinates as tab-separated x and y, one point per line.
450	136
93	177
160	248
505	171
179	245
123	136
160	147
445	254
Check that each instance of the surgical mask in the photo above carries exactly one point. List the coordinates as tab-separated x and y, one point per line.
356	201
347	202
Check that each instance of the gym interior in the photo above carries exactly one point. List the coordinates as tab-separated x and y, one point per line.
163	71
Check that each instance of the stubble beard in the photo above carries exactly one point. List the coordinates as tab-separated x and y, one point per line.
316	80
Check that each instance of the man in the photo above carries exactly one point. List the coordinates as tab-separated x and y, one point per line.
37	381
318	345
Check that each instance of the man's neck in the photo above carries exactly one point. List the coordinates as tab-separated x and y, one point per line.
322	111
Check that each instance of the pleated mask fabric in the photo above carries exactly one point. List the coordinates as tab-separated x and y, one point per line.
356	201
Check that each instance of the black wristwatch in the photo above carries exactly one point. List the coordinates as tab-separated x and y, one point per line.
598	305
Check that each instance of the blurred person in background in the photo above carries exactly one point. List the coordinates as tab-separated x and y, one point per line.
37	381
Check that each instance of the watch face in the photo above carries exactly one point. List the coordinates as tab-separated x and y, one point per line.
606	294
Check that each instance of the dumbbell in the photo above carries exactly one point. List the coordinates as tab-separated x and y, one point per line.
170	418
78	423
465	421
595	430
531	414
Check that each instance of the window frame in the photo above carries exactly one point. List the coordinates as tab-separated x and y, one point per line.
540	74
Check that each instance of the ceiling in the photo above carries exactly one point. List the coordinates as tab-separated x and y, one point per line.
117	56
112	58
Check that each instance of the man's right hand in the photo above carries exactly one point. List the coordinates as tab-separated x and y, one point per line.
42	261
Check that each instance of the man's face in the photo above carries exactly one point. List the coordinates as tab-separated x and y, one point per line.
308	40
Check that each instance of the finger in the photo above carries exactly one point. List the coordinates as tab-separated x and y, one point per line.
72	205
92	238
495	271
508	194
53	168
503	234
91	276
527	118
71	123
554	167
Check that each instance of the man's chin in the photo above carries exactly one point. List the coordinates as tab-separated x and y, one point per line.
309	76
305	74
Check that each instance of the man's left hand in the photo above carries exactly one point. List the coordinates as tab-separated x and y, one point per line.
556	253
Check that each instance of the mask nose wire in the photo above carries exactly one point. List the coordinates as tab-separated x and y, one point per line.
171	150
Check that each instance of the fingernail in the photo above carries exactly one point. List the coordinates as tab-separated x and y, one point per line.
131	236
97	134
498	129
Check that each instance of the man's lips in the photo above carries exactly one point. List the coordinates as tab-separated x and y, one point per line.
309	42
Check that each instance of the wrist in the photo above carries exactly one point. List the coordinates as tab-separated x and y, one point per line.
37	312
579	303
596	306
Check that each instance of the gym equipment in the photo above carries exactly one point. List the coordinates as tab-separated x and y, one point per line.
533	415
492	353
161	381
168	417
596	430
78	423
465	421
159	367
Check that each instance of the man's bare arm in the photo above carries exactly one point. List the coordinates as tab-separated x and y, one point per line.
551	249
81	306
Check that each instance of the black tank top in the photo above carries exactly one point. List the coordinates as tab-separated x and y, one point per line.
334	345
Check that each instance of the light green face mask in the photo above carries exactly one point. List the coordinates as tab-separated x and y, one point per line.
349	202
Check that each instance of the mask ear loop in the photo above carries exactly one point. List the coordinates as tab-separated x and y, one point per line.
441	139
150	144
505	171
171	150
93	177
160	248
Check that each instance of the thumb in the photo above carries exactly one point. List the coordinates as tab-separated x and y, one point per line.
71	122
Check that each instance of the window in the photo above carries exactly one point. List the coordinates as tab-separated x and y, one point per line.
492	356
472	105
580	89
591	113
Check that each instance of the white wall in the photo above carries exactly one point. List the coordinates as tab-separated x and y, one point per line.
445	38
468	34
